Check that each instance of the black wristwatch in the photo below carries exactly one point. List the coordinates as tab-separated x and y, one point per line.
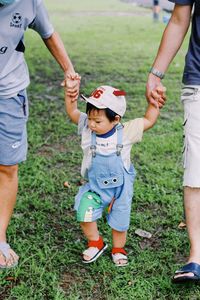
157	73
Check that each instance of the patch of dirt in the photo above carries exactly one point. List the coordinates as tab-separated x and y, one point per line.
70	279
180	258
4	294
5	291
48	150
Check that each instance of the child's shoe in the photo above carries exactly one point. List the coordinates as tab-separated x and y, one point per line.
119	257
94	250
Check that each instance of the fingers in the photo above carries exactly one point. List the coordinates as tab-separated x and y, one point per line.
152	101
72	85
161	89
74	76
157	96
73	91
73	96
161	101
71	79
161	104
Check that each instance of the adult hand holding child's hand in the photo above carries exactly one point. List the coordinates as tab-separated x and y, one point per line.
72	85
155	92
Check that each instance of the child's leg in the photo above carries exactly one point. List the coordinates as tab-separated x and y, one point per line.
119	241
90	230
119	238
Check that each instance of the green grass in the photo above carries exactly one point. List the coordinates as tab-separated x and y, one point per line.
106	48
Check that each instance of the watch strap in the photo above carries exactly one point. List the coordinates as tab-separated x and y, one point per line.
157	73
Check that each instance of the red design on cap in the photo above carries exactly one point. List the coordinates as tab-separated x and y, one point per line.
97	94
119	93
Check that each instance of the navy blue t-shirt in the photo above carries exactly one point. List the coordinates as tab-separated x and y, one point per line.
191	74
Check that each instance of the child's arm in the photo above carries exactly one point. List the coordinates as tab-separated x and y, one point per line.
71	108
151	116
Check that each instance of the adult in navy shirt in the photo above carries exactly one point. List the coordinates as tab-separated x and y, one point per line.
172	39
16	16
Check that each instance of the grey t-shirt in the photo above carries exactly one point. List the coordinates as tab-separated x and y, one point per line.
191	74
14	20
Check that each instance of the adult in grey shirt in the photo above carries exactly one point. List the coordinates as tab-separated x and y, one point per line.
171	41
16	16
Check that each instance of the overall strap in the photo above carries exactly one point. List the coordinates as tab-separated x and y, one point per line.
93	144
119	146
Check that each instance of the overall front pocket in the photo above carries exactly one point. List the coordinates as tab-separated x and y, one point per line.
112	181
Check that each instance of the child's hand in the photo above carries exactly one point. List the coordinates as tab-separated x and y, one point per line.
155	91
161	90
72	85
158	94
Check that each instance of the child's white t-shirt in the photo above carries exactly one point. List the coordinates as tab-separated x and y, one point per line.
132	133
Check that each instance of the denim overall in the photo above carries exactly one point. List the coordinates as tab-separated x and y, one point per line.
108	183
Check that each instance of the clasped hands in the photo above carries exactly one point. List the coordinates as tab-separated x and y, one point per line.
71	83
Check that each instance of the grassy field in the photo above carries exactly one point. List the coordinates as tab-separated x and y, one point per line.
112	43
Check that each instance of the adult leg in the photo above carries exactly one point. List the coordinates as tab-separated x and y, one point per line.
8	192
192	208
190	97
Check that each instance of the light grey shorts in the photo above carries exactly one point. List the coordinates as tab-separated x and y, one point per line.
13	135
190	97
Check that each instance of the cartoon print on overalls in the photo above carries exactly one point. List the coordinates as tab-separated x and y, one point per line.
88	203
108	178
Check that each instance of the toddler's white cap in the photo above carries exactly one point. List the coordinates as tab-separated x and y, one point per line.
108	97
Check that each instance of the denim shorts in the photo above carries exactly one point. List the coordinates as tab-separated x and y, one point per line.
190	97
13	134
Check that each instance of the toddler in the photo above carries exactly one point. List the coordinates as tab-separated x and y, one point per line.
106	143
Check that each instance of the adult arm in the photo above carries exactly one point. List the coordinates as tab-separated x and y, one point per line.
171	41
57	49
53	42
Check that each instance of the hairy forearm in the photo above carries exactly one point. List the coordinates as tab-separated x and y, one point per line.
173	37
57	49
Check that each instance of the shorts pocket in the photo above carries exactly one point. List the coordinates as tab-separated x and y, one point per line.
189	94
185	152
22	103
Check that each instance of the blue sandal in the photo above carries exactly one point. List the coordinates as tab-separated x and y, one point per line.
189	268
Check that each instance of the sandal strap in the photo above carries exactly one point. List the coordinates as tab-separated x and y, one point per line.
190	268
119	250
119	256
91	252
4	249
96	244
